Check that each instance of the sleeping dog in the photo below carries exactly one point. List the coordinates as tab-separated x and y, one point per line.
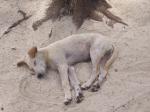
63	54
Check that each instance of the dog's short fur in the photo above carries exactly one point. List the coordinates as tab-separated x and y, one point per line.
63	54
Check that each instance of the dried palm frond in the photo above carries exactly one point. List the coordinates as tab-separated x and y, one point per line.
80	10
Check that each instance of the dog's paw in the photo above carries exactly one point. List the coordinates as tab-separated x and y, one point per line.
67	101
85	86
79	98
95	88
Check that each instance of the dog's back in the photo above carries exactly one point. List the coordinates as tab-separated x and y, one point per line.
77	39
77	47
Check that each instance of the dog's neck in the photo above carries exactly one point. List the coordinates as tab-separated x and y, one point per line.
45	54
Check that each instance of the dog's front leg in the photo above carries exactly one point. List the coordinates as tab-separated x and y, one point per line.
63	70
76	84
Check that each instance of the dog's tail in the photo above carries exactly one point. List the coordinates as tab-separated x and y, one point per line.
110	61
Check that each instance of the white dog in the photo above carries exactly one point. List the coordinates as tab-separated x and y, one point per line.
63	54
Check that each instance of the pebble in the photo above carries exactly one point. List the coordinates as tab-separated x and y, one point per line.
13	48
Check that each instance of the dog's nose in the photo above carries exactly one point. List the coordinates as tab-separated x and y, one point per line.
40	75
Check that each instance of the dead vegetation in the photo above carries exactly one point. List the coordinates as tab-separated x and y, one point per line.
80	10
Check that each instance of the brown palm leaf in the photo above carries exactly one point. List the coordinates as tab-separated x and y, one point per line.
80	10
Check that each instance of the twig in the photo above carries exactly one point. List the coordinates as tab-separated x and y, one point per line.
50	34
17	22
23	13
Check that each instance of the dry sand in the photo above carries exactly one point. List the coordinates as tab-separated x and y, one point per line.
127	88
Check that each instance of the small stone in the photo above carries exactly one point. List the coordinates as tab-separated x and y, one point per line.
2	108
13	48
116	70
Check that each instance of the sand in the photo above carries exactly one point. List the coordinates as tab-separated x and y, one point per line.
127	86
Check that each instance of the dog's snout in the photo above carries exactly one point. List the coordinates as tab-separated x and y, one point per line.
40	75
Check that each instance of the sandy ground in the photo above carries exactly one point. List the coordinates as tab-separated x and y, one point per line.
127	88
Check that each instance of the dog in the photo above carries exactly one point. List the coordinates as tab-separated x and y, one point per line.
65	53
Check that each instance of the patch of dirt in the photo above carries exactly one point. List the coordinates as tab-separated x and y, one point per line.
126	88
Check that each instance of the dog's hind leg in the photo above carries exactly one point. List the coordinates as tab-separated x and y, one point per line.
102	76
75	84
96	56
103	72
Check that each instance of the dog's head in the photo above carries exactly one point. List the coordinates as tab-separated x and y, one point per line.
35	61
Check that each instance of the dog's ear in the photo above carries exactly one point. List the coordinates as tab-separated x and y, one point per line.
21	63
24	62
32	52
